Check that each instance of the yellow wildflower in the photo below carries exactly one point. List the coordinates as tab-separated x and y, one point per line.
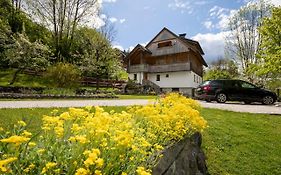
88	108
21	123
31	144
142	171
40	151
98	172
3	163
65	116
99	162
82	171
80	139
15	139
26	133
48	166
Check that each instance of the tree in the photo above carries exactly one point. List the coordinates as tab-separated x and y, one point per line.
6	42
244	40
63	17
270	52
95	55
221	69
24	55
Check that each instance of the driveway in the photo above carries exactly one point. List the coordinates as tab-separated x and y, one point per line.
237	107
240	107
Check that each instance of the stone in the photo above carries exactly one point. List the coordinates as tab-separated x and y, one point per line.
183	158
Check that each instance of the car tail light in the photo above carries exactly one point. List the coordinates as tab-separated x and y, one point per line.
207	88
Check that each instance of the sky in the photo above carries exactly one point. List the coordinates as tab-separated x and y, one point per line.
138	21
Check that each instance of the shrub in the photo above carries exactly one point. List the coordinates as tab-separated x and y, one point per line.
63	75
92	141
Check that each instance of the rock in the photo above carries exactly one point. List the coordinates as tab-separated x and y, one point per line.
183	158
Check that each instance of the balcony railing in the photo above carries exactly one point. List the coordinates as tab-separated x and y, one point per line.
159	68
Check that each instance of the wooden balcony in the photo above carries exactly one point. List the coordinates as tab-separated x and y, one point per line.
138	68
159	68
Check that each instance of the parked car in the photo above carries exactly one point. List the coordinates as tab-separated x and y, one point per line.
233	90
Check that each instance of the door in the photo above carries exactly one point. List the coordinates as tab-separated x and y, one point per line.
145	76
249	91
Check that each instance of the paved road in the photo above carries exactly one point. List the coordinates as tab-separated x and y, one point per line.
70	103
238	107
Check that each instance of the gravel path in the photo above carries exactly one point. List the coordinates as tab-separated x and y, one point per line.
238	107
70	103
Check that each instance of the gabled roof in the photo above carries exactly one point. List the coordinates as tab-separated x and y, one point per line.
185	41
193	42
139	47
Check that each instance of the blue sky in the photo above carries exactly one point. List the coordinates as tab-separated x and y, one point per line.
138	21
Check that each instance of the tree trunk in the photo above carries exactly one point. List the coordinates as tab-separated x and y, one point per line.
98	83
15	76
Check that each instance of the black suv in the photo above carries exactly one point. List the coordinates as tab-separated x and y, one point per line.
234	90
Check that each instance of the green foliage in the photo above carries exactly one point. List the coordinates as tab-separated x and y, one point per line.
95	56
243	42
270	52
63	75
217	74
6	42
25	54
59	91
221	69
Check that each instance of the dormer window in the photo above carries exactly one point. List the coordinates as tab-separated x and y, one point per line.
165	44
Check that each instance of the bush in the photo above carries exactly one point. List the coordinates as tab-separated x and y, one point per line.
63	75
92	141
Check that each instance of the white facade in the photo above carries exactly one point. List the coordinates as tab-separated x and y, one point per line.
182	79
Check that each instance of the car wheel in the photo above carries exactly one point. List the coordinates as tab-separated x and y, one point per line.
221	98
267	100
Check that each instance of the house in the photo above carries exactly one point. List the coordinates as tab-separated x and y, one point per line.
169	62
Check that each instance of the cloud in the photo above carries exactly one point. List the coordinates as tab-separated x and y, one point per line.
113	20
221	15
208	24
118	47
180	4
186	6
213	44
122	20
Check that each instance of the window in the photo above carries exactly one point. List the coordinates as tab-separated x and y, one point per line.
194	78
135	77
167	75
165	44
247	85
157	77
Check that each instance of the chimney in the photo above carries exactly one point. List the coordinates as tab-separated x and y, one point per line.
182	35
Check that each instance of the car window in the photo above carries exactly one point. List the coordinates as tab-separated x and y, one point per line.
216	83
247	85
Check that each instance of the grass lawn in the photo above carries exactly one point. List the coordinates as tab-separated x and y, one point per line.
242	143
235	143
22	79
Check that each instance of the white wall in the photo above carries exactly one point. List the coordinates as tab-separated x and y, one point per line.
176	79
139	77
